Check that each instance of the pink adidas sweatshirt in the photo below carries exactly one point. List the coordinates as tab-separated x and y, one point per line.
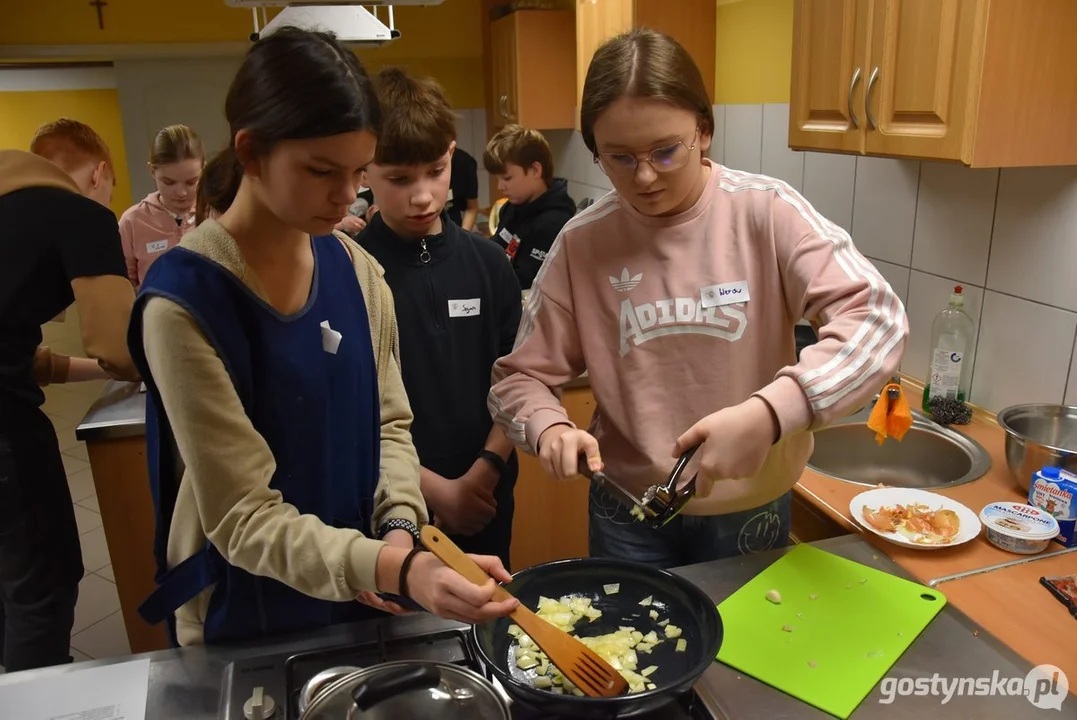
148	229
675	318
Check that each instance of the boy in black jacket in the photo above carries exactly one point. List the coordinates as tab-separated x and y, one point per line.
458	307
538	203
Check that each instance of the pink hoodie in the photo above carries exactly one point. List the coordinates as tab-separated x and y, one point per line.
147	230
675	318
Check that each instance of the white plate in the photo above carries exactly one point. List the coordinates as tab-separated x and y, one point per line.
970	523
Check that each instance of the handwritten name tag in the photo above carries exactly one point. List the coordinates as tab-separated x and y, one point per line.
724	294
465	308
156	246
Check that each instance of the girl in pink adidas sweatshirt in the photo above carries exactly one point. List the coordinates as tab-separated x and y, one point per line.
157	223
678	293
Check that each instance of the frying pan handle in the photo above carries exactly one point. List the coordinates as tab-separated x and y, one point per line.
450	553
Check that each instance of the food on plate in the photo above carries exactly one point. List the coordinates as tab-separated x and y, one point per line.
621	649
774	596
916	522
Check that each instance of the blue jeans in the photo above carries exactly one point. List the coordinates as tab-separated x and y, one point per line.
687	539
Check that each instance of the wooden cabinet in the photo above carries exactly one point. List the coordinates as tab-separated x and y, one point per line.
689	22
550	522
532	70
989	83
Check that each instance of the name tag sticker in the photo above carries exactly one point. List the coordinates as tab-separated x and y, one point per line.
156	246
330	338
465	308
724	294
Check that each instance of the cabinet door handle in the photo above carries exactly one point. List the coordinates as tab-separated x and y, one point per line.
867	98
852	86
503	106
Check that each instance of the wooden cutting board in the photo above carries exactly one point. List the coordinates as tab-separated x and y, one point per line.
840	626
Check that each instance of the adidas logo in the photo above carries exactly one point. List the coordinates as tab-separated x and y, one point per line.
626	282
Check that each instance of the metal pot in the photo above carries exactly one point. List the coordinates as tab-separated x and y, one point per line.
404	689
1039	436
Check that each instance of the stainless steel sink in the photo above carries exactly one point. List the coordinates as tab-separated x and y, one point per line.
929	456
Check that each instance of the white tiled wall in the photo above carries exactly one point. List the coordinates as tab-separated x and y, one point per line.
1008	237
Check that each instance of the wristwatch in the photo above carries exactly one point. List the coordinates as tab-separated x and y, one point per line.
399	524
497	461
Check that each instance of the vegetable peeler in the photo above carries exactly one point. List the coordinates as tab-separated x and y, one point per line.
660	503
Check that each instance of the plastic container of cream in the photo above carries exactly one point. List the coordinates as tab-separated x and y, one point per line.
1018	528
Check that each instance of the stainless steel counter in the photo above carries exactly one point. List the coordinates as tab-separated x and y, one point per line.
185	684
120	412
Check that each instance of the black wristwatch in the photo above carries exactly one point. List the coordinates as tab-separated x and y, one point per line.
399	524
496	460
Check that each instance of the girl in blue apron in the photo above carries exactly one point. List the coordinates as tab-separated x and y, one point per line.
283	473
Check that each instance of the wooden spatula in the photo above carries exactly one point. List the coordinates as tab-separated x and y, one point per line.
577	662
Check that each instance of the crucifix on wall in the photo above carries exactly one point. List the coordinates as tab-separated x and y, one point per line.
100	5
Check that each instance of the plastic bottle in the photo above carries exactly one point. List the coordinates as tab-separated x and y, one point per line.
951	339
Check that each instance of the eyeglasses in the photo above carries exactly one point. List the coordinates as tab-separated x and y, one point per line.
662	160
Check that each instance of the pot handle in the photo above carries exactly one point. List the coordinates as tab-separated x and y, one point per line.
388	684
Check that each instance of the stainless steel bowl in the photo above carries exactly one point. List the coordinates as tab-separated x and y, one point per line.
1039	436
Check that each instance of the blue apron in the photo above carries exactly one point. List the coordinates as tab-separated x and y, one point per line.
318	410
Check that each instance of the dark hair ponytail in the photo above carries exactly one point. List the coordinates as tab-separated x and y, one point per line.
293	84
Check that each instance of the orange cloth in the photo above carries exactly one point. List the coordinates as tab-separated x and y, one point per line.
890	417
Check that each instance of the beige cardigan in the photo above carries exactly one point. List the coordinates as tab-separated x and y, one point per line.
224	493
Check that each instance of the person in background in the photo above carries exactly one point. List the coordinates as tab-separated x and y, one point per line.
459	307
158	221
678	293
285	480
463	203
44	267
356	219
538	203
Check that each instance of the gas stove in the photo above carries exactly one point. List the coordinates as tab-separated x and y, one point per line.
282	676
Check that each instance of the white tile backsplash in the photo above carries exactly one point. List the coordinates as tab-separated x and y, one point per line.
1071	386
884	208
778	160
1024	352
717	148
744	137
1034	248
828	185
897	276
927	227
928	296
954	215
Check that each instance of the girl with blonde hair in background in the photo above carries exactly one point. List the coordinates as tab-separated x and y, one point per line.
156	224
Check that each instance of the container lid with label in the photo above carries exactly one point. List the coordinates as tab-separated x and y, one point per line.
1019	520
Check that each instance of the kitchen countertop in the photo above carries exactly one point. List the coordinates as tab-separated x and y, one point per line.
120	411
998	589
185	684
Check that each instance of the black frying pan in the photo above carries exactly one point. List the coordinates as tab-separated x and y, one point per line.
684	604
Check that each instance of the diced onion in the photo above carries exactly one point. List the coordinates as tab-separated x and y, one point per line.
682	645
620	649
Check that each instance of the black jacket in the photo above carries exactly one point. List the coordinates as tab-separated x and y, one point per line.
527	231
458	313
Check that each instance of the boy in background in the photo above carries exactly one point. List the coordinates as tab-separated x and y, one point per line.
44	267
538	203
463	206
458	308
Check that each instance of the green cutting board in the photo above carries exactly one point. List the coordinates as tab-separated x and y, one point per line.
837	646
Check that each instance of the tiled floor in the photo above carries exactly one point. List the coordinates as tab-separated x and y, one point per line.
98	631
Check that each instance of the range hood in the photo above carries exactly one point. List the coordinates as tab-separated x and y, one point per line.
352	24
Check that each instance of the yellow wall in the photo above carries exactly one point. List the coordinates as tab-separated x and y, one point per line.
24	112
444	41
753	58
